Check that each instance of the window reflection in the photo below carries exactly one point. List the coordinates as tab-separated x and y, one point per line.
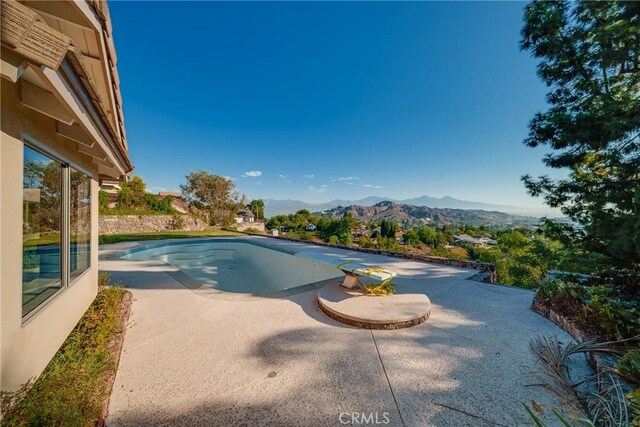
80	222
42	218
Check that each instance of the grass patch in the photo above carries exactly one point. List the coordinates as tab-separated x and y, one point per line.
73	387
160	235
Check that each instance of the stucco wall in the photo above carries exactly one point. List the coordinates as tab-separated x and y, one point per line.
109	224
27	345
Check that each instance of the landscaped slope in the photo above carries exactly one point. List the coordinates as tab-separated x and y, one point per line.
423	214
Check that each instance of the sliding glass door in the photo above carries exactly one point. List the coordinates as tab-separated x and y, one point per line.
56	232
41	230
80	223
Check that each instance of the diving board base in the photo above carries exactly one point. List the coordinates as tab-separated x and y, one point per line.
350	306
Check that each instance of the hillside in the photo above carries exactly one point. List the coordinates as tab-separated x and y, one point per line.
416	215
288	206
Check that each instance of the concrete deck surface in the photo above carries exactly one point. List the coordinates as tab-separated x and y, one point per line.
189	359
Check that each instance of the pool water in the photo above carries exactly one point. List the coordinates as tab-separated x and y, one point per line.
237	266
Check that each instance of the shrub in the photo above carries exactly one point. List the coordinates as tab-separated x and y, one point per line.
334	240
629	365
155	204
125	198
633	401
72	389
345	238
412	238
625	281
176	223
367	242
596	309
103	199
616	318
488	255
103	279
388	244
30	258
307	236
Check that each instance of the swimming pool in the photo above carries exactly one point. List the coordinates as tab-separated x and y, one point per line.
232	265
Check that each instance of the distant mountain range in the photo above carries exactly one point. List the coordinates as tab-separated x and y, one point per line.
420	215
278	207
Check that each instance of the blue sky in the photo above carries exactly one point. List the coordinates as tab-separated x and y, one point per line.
318	101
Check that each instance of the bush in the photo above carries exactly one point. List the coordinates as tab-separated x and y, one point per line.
177	222
492	255
30	258
345	238
307	236
598	310
103	199
334	240
125	198
617	319
411	238
367	242
103	279
155	204
72	389
625	281
633	401
629	365
453	253
388	244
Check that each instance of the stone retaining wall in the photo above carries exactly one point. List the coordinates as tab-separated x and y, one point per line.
248	225
110	224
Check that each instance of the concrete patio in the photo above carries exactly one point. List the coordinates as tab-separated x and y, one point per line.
189	359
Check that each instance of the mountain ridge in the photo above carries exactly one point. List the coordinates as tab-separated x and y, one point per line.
288	206
413	215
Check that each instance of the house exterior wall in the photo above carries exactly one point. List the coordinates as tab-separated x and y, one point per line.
28	344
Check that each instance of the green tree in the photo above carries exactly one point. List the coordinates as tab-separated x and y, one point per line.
103	199
428	236
33	172
348	223
522	258
216	193
388	244
137	186
411	237
125	198
388	228
590	59
256	206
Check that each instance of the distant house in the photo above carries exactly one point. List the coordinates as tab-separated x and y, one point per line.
170	193
245	217
481	242
310	227
361	231
110	186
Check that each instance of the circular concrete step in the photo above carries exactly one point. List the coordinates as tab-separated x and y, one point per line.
397	311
